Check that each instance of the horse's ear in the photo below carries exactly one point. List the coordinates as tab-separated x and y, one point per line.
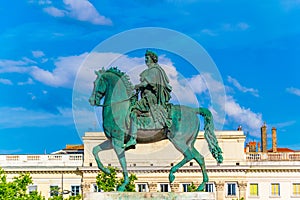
98	73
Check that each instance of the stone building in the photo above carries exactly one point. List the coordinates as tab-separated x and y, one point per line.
252	172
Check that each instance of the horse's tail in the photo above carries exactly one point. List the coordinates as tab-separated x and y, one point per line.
209	134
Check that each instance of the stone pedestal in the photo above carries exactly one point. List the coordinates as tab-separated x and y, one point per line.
149	195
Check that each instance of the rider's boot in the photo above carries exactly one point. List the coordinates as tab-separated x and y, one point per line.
131	142
133	133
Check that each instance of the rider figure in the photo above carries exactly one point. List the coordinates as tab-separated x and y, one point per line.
155	95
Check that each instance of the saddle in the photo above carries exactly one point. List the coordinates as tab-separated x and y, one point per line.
158	118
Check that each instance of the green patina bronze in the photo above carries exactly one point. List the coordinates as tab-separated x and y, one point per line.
127	120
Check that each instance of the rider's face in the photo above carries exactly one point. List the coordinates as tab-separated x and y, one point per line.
148	60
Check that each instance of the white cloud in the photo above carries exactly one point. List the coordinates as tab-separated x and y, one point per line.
282	125
241	88
40	2
64	73
16	117
55	12
28	82
5	81
243	116
293	90
209	32
7	66
81	10
84	11
240	26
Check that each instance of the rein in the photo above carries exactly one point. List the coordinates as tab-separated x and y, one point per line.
112	103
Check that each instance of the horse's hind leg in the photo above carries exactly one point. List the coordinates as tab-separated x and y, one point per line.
187	157
106	145
200	160
185	150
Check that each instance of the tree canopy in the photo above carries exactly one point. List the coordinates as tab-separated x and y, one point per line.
109	182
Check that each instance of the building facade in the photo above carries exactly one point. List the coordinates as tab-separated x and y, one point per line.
248	173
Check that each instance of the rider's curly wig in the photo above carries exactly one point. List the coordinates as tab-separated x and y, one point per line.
152	55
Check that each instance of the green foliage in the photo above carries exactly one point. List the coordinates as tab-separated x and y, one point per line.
60	197
54	191
77	197
56	197
109	182
192	188
242	198
17	189
130	187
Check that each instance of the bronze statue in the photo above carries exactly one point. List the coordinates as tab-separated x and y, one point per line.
152	118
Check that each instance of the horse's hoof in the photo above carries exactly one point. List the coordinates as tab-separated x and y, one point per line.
121	188
171	177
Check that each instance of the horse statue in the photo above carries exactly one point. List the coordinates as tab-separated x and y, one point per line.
119	94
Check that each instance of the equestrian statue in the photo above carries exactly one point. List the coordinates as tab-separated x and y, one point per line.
143	114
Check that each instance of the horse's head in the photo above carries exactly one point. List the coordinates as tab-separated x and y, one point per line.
99	89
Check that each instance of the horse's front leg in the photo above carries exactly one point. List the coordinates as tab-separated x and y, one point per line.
106	145
118	145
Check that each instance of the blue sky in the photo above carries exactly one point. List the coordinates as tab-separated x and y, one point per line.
255	46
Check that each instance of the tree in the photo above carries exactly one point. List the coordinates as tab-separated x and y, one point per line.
109	182
130	187
17	189
192	188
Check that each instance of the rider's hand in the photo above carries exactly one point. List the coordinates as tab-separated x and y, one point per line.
137	87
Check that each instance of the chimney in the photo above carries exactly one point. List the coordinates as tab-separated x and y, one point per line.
247	148
264	138
252	146
274	140
258	147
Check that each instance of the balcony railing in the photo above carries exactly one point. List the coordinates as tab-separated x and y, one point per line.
259	156
41	160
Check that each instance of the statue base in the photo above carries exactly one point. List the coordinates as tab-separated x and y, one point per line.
149	195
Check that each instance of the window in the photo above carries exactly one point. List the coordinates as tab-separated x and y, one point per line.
142	187
231	189
54	190
32	188
75	189
275	189
164	187
185	187
253	189
209	187
296	189
95	188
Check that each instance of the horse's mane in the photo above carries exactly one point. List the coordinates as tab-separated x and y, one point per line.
125	79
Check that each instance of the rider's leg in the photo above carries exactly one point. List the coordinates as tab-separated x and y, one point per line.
133	129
